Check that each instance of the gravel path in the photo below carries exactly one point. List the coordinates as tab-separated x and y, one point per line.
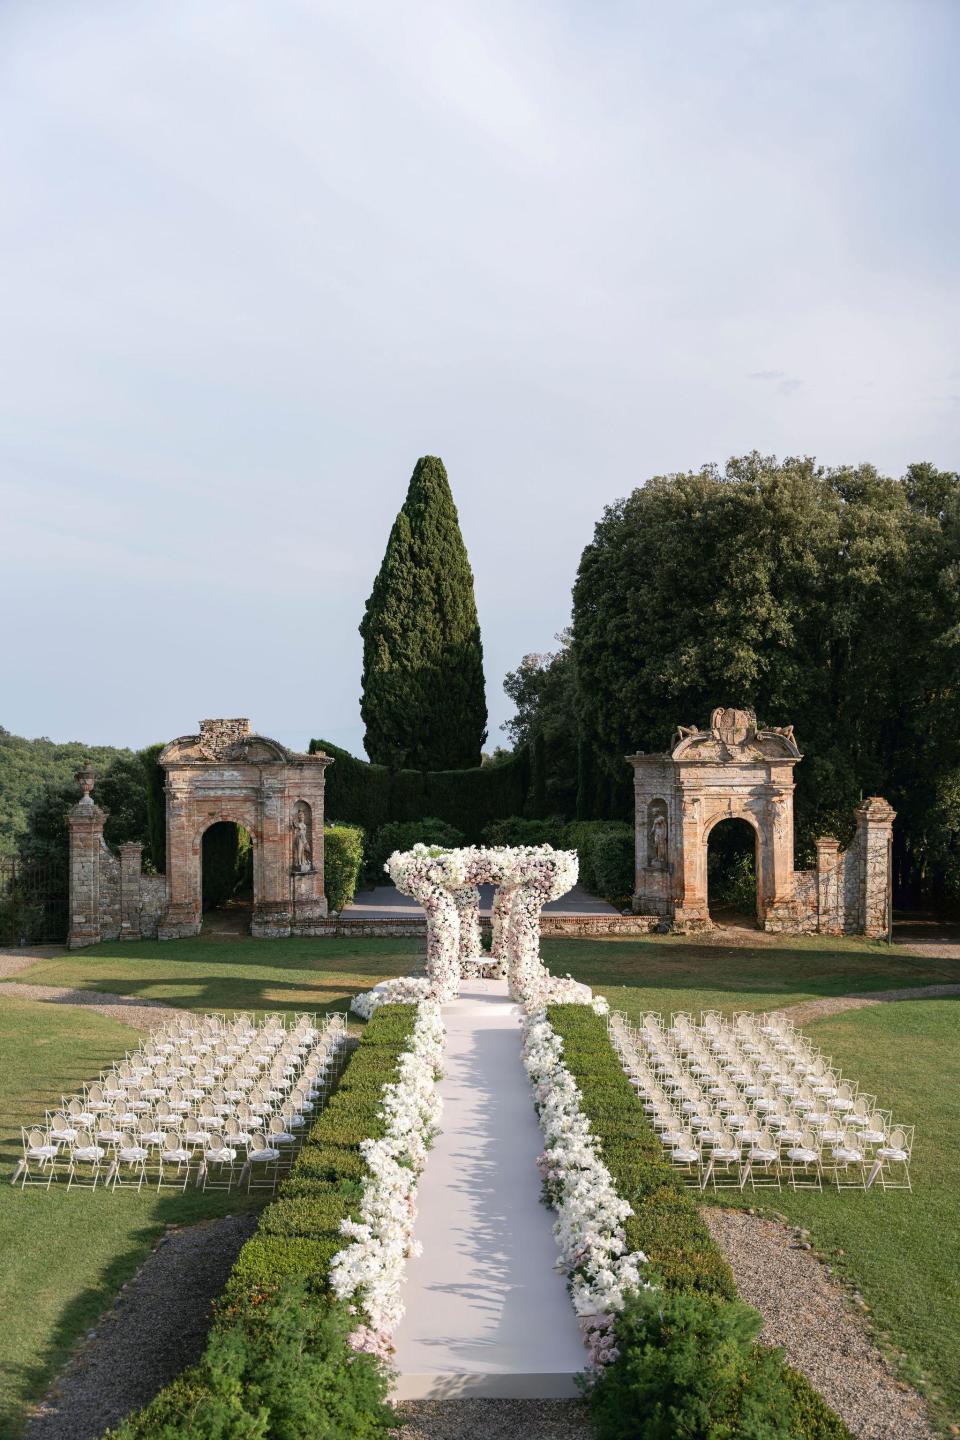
493	1420
21	958
807	1010
157	1326
809	1314
141	1014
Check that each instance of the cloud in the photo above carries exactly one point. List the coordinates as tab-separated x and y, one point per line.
258	259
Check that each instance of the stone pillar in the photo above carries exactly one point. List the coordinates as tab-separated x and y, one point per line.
182	916
875	819
690	907
85	822
130	867
829	898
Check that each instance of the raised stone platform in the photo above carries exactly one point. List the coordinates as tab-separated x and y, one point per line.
384	911
487	1314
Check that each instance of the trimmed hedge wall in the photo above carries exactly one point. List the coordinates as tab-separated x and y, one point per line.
666	1225
359	793
289	1254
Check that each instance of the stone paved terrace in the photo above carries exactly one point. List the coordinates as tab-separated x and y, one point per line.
386	903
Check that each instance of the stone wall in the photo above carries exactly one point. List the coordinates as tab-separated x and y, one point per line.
850	892
109	892
153	902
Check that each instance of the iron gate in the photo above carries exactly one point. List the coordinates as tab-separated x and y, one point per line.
33	900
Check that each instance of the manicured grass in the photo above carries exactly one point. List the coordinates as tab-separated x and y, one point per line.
64	1256
900	1250
210	973
643	973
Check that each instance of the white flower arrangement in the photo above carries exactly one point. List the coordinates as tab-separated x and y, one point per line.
370	1269
590	1214
445	883
403	990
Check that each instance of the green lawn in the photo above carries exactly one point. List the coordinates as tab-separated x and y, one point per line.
63	1257
642	973
901	1250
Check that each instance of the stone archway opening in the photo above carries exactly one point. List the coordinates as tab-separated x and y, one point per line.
733	898
226	877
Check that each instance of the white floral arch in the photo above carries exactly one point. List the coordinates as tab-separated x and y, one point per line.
446	883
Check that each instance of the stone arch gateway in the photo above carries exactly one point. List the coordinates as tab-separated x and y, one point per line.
736	769
228	773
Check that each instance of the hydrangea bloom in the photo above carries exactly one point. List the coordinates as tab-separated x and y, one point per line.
590	1214
370	1269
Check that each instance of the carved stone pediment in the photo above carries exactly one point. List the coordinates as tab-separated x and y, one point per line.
227	742
735	738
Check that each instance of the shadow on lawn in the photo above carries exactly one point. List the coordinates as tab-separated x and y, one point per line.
777	970
84	1310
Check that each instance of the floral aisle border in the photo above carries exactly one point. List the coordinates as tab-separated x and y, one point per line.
370	1271
602	1272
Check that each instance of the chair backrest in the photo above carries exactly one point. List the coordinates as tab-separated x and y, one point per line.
171	1140
877	1123
258	1141
95	1094
898	1139
35	1138
276	1125
74	1107
84	1138
215	1141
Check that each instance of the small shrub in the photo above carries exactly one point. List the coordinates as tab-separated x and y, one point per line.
404	834
687	1366
614	857
342	863
605	848
516	830
286	1370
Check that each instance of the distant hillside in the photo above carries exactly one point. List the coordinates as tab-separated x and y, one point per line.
27	765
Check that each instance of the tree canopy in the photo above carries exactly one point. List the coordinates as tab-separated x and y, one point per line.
423	702
824	598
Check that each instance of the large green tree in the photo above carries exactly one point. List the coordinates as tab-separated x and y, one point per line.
423	701
825	598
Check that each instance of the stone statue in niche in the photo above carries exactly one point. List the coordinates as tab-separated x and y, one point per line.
302	848
657	836
660	840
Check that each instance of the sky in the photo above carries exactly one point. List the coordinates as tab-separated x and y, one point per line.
257	256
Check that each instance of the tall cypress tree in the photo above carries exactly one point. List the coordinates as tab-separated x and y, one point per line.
423	701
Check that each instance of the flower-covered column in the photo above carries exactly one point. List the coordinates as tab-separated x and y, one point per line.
500	941
431	876
541	874
467	901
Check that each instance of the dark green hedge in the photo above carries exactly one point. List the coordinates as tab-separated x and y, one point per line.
342	863
666	1225
359	793
282	1271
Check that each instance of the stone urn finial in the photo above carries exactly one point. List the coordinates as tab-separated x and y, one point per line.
86	778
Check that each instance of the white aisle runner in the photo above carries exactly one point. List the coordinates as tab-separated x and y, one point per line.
486	1311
